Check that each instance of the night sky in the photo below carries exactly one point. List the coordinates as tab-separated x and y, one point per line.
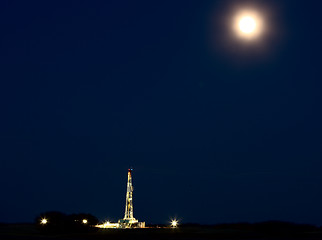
216	129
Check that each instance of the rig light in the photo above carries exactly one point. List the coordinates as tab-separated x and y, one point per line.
44	221
174	223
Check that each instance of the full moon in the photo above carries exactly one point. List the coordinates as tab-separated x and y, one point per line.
248	24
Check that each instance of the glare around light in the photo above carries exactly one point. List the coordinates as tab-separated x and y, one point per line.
44	221
85	221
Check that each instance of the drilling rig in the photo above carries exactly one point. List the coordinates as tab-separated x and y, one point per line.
129	221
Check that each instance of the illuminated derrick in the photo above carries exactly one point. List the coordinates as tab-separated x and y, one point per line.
129	221
129	197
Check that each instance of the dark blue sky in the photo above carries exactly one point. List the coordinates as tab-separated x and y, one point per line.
217	130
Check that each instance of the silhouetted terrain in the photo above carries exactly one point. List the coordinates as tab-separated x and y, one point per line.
264	230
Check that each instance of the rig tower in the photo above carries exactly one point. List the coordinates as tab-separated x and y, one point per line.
129	197
129	221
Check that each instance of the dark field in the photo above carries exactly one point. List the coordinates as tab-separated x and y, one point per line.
29	231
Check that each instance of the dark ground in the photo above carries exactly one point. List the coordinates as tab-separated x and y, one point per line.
29	231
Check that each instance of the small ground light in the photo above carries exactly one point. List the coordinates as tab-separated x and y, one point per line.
85	221
174	223
106	224
44	221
